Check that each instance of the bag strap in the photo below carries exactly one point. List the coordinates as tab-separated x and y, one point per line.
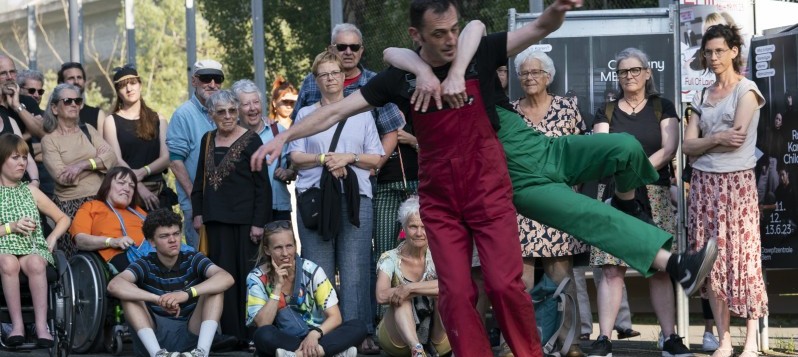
337	134
274	134
609	109
657	102
85	130
205	172
548	347
402	167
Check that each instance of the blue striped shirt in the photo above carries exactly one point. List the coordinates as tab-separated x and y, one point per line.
151	275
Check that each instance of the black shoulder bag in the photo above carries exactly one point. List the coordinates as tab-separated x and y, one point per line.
309	202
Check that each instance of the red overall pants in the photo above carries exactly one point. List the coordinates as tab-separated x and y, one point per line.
466	196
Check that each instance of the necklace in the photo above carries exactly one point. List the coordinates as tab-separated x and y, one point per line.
633	107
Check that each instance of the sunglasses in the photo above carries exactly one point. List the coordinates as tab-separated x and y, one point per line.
70	101
341	47
207	78
33	91
277	225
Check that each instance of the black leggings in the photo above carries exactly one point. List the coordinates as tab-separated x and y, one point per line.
350	333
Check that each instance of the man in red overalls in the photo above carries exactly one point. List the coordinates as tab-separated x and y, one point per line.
464	187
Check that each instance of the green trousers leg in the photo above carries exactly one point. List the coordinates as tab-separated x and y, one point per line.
543	169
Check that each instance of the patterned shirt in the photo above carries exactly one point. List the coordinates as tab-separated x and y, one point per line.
388	118
391	263
313	282
151	275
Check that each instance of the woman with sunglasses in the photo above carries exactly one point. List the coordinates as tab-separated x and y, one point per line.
723	206
293	303
75	155
653	121
283	99
138	136
346	250
232	202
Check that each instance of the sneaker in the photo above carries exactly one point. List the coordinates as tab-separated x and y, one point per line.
710	343
283	353
197	352
636	212
164	353
674	347
691	270
601	348
661	341
505	350
350	352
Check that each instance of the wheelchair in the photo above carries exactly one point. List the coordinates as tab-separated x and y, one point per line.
60	311
99	324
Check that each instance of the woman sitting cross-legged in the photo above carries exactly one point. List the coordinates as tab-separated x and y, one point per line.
406	280
293	304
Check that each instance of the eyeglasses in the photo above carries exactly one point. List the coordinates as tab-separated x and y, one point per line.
8	73
634	71
277	225
719	52
334	75
70	101
229	111
207	78
33	91
341	47
288	103
534	74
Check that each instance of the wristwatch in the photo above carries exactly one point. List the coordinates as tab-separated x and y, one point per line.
357	158
21	107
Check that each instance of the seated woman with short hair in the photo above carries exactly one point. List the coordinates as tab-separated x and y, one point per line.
111	223
293	304
407	281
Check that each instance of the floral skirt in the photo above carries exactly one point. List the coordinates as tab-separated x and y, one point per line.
723	206
66	242
662	213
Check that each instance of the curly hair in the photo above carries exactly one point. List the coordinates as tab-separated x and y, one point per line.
160	218
731	35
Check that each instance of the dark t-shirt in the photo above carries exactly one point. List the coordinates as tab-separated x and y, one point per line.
136	151
151	275
89	114
30	105
644	127
394	85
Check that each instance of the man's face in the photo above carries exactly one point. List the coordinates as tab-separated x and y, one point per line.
167	241
349	57
205	85
438	36
34	86
8	71
74	76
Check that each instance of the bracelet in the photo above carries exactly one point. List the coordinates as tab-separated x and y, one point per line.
274	297
93	164
108	242
147	168
8	228
34	179
193	292
321	159
317	329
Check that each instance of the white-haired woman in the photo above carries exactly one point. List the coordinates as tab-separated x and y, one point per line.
250	114
653	121
408	283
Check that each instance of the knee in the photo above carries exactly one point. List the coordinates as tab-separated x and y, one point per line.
613	273
34	265
264	338
9	265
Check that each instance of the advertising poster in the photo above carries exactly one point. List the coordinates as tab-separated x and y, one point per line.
585	67
775	72
695	16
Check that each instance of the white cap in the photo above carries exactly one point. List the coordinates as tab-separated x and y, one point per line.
207	66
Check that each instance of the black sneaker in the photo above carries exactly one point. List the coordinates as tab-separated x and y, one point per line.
691	270
601	348
674	347
636	212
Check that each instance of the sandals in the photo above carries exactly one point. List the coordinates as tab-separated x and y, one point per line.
368	347
627	333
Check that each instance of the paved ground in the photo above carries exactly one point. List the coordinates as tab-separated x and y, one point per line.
783	342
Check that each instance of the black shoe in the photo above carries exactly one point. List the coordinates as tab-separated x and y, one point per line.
224	343
691	270
636	212
601	348
44	343
626	333
14	341
674	347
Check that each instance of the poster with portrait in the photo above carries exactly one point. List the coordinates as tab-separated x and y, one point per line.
695	16
775	72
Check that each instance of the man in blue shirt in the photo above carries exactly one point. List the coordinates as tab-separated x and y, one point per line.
184	136
161	292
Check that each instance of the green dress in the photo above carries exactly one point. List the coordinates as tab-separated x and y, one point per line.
15	203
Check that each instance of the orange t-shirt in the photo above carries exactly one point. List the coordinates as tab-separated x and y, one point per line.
95	218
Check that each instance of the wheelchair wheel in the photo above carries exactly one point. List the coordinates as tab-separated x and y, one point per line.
63	301
90	301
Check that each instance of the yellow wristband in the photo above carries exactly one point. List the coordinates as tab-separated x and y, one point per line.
8	228
93	164
274	297
147	168
321	159
108	242
193	292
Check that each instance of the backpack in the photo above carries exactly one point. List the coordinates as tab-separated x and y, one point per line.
551	302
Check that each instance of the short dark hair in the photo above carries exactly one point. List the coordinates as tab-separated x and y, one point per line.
730	34
70	65
419	7
162	217
115	173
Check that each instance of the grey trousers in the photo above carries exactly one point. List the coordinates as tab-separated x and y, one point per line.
622	321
